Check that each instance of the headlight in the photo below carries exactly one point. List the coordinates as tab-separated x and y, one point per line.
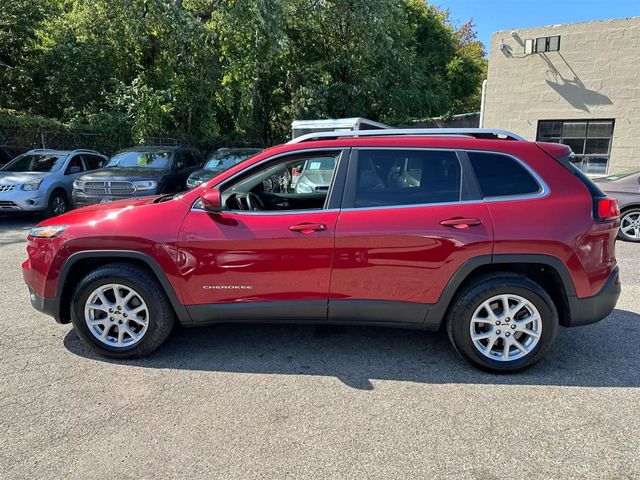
192	182
31	185
78	184
145	185
47	232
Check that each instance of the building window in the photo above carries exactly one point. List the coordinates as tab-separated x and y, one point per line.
590	141
548	44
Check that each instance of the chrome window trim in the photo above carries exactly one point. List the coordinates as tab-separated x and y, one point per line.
269	212
413	205
296	152
543	192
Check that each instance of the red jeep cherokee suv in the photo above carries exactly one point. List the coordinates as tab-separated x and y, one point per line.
500	239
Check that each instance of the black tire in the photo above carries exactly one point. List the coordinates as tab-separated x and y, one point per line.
471	298
161	318
58	204
621	234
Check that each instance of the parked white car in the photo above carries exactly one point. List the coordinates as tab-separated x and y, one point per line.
42	180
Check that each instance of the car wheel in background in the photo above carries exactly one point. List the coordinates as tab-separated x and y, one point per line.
503	323
58	204
121	311
630	225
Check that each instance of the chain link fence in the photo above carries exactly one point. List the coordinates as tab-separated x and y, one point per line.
27	139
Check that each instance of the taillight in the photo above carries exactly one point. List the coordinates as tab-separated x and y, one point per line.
607	208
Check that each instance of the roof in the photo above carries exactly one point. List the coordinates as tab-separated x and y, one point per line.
478	133
155	148
62	152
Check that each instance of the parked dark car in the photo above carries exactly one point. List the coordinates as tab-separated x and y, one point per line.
220	161
137	172
625	187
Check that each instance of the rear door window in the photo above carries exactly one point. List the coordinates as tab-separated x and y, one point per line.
502	176
407	177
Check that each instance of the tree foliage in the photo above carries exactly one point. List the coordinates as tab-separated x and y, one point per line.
241	70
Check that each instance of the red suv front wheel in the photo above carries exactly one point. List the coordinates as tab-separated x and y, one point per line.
120	311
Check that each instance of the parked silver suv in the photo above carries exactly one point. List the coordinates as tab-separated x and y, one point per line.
42	180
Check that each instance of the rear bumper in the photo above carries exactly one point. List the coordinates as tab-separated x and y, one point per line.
585	311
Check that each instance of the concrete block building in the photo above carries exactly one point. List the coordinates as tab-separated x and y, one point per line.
577	84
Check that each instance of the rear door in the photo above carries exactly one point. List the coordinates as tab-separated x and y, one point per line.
410	219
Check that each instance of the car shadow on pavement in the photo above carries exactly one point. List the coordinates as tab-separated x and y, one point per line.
14	229
602	355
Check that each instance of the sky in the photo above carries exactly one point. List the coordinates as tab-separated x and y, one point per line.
492	15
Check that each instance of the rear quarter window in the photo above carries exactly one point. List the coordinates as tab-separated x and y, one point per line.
501	176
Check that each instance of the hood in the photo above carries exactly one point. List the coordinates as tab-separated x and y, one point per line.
126	174
18	178
204	174
99	211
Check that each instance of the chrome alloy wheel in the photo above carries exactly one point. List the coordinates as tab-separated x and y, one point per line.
116	315
506	327
630	225
58	205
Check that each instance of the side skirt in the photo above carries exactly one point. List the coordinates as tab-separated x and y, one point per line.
339	312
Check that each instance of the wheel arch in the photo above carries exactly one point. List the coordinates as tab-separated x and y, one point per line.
55	188
549	272
80	263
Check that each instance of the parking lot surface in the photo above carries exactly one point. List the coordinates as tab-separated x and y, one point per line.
265	401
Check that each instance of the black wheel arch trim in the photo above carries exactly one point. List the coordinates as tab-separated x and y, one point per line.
433	318
179	308
437	312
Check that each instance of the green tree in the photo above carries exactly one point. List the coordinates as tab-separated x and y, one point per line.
238	70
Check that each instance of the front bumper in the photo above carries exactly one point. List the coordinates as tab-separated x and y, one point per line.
48	306
585	311
83	200
20	201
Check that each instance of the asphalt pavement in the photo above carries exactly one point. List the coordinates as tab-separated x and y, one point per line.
273	401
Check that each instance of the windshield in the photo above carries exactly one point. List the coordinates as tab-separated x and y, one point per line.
35	162
618	176
225	160
141	159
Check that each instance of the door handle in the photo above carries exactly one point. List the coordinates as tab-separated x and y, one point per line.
461	223
308	227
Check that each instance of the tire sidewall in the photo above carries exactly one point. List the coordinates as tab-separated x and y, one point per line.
87	286
460	326
57	194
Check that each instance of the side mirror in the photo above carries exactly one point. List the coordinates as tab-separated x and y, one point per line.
178	166
211	201
75	169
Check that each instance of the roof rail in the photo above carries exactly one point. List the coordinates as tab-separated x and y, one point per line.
488	133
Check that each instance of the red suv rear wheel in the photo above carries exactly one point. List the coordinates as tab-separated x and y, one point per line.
503	323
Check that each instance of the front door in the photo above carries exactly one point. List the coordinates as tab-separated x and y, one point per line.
268	254
411	218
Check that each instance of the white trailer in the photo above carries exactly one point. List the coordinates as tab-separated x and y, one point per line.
304	127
